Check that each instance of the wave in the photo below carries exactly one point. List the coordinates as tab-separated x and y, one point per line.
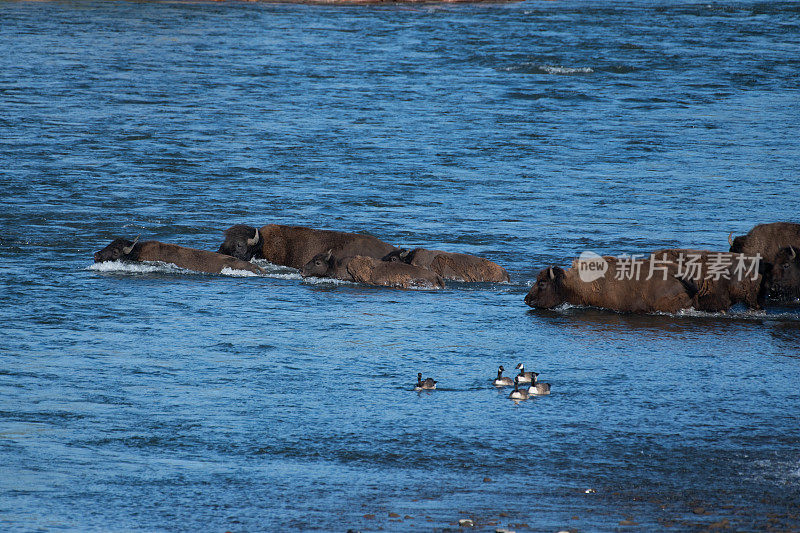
747	314
326	281
143	267
159	267
734	314
237	273
549	69
535	68
277	271
272	271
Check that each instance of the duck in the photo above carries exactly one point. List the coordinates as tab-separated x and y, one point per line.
502	381
538	389
518	394
524	377
427	384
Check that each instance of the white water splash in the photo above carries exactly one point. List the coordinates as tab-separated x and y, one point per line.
143	267
272	271
746	313
551	69
158	267
238	273
277	271
735	314
327	281
532	68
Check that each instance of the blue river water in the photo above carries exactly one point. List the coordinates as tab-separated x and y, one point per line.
143	397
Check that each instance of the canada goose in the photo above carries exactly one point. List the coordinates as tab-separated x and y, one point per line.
518	394
538	389
502	381
524	377
428	384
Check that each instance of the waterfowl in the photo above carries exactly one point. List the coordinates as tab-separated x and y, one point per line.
524	377
538	389
518	394
427	384
502	381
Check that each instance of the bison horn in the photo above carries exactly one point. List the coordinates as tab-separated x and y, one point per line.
404	253
552	275
128	249
730	238
794	254
329	254
254	240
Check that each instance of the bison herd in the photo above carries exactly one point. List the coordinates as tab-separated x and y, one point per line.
764	263
319	253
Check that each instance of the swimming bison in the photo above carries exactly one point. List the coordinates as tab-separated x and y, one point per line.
786	273
188	258
294	246
371	271
768	241
667	281
449	265
719	280
555	286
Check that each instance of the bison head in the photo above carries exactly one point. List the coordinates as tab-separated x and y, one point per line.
319	266
242	242
548	291
402	255
737	244
118	249
786	272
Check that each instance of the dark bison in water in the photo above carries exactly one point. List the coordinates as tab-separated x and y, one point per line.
188	258
768	240
678	279
555	286
786	273
371	271
449	265
719	280
294	246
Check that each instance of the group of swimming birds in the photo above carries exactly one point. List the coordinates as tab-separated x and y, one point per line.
535	388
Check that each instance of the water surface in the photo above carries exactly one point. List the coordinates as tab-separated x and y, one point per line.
149	398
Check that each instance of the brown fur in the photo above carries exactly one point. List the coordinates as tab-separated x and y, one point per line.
786	273
720	294
371	271
294	246
188	258
627	296
767	240
455	266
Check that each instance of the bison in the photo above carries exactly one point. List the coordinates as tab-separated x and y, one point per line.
786	273
719	280
555	286
767	241
188	258
449	265
294	246
371	271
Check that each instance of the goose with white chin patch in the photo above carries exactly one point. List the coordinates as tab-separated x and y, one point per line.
502	381
524	377
426	384
518	394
